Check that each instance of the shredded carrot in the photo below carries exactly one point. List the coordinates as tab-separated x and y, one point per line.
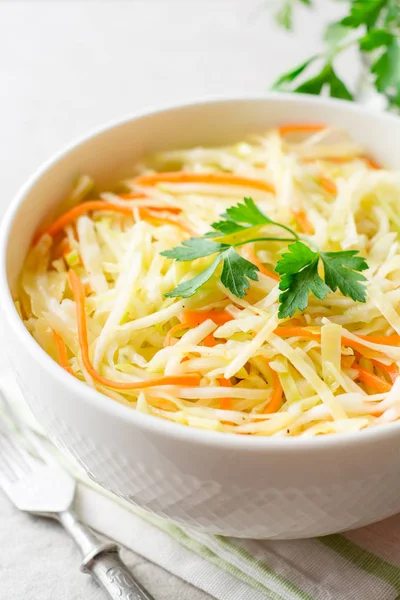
146	213
172	331
339	160
164	404
58	225
79	297
132	196
373	381
276	398
209	178
301	127
347	361
88	289
372	163
195	317
62	352
386	340
225	403
392	340
328	185
61	249
391	371
248	253
78	210
296	332
171	209
303	221
210	341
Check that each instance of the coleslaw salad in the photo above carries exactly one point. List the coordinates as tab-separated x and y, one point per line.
92	291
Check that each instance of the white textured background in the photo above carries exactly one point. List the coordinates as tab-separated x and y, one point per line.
66	67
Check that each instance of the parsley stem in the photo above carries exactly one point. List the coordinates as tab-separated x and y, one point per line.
296	237
265	239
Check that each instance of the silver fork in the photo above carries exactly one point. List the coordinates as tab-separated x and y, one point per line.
38	485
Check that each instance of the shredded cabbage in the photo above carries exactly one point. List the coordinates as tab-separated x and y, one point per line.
334	372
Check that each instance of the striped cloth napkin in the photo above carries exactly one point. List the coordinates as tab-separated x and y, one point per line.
359	565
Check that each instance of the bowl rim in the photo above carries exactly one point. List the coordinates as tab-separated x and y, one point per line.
103	403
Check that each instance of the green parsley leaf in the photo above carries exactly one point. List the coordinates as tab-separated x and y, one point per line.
313	85
247	213
335	33
190	287
392	13
375	39
194	248
326	79
387	68
282	83
284	16
363	12
227	227
373	26
236	273
338	88
297	287
299	271
342	271
240	217
299	256
298	267
299	276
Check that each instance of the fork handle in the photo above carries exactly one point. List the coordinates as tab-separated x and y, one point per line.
110	572
102	561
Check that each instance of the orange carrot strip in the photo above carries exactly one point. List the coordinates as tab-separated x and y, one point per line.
225	403
347	361
328	185
88	289
171	209
78	210
210	178
195	317
296	332
391	371
248	253
62	352
391	340
61	249
373	381
303	221
276	398
65	219
388	340
210	341
132	196
79	297
339	160
172	331
301	127
145	213
372	163
164	404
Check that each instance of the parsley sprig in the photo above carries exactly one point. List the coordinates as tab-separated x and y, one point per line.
299	268
373	27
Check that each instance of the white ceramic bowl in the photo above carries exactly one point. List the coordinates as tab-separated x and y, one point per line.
233	485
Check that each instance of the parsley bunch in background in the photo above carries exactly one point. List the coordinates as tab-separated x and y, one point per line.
373	27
